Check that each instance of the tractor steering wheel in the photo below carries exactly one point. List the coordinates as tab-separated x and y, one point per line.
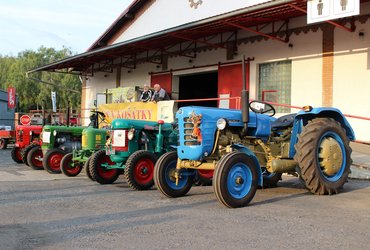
260	107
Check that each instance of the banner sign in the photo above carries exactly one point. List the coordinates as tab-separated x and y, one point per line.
11	97
54	100
130	110
147	111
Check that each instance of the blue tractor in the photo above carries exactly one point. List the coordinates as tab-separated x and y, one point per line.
247	149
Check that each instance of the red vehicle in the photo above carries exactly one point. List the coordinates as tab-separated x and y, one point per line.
27	137
6	136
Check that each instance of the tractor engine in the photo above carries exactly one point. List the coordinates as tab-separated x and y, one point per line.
67	143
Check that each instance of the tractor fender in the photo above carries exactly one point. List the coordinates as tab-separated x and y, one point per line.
248	152
303	117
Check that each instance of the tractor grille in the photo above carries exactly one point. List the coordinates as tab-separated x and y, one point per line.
189	140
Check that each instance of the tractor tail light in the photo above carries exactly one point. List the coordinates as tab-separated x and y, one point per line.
120	140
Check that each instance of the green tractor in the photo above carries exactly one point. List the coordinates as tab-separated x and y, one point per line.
133	148
93	139
56	142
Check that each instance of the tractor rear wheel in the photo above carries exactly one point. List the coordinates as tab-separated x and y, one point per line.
52	159
16	154
235	180
324	156
101	173
87	169
69	167
3	143
25	152
164	176
34	158
139	170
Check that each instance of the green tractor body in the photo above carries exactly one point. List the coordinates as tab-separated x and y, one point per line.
134	147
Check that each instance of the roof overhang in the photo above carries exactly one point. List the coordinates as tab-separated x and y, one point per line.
197	32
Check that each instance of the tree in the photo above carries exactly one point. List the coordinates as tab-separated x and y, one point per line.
32	94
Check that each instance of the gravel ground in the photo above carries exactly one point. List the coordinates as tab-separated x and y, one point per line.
43	211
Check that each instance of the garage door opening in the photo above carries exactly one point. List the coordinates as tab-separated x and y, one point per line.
198	86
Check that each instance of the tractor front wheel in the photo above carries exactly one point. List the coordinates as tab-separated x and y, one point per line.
34	158
69	167
52	159
235	180
16	154
324	156
165	176
98	168
139	170
25	152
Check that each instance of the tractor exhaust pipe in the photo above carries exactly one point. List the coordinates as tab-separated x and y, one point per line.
245	100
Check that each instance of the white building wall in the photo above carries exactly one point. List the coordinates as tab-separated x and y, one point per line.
165	14
352	75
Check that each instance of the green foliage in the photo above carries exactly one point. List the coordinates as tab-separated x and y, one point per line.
32	94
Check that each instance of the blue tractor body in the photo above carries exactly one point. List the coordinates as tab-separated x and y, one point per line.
252	149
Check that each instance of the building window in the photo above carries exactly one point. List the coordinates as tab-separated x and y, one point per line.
275	83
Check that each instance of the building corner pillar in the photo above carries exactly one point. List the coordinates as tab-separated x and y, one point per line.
327	64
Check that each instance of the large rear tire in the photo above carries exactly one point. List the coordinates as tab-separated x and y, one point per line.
164	176
34	158
69	167
235	180
25	152
52	159
100	173
87	169
16	154
324	156
139	170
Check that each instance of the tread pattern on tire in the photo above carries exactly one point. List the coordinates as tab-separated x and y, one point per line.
158	178
45	160
65	159
306	156
130	169
87	169
219	187
25	152
30	156
93	172
14	154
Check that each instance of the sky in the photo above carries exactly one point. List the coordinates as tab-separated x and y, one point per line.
75	24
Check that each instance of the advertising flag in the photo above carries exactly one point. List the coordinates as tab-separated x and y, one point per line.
11	97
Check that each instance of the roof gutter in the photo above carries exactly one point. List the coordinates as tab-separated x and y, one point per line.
163	32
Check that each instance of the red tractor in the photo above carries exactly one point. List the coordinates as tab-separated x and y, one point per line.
27	137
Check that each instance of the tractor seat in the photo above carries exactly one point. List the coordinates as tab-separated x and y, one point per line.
283	122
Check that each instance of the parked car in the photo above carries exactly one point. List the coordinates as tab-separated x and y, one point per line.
36	119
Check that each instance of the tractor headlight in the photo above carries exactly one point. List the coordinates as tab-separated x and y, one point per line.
221	124
131	134
54	132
